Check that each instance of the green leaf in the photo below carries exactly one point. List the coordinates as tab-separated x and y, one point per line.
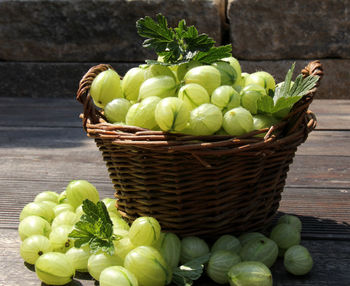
81	242
266	104
148	28
303	85
95	228
214	54
286	95
90	210
180	43
285	102
190	271
283	90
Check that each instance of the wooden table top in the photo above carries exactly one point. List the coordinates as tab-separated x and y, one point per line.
43	147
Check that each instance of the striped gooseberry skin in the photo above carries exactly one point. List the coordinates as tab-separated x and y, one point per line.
117	275
297	260
144	231
148	265
250	273
54	268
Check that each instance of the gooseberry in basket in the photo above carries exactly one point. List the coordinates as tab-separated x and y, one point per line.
297	260
206	119
116	110
54	268
240	83
193	95
105	87
285	235
183	68
172	114
154	70
161	86
220	263
263	249
225	97
228	74
236	66
262	121
142	114
238	121
262	78
207	76
250	96
250	273
131	83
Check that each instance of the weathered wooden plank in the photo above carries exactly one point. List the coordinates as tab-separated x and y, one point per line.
326	143
320	171
51	112
331	114
331	261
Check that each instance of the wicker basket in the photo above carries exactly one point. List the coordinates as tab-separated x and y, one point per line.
199	185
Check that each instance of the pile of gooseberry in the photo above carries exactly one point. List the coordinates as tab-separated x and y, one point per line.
143	253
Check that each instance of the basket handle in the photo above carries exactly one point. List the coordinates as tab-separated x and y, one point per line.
313	68
84	97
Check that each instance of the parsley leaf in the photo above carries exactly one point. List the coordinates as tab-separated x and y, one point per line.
95	228
181	44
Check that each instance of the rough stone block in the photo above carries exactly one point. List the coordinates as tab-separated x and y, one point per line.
88	31
47	79
299	29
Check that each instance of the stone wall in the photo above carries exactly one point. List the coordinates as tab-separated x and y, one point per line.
46	46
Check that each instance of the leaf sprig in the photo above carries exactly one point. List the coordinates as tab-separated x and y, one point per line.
181	44
95	228
288	93
184	275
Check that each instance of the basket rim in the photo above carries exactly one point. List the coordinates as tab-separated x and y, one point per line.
299	122
131	136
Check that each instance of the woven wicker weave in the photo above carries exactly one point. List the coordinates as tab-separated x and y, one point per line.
199	185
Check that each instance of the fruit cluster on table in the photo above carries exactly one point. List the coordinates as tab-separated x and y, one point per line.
75	231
